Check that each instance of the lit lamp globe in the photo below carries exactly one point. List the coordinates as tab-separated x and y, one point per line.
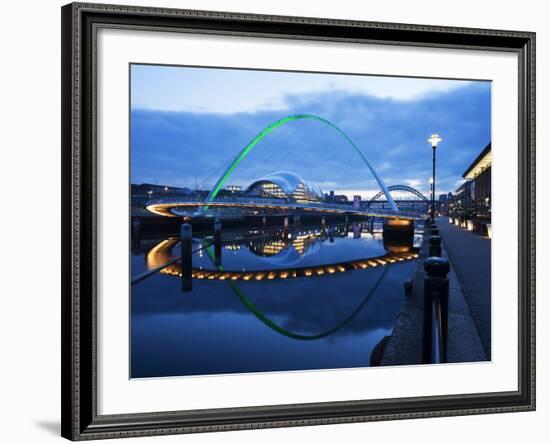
434	139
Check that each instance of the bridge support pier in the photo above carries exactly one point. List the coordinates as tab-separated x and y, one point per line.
398	230
217	243
186	257
136	228
136	235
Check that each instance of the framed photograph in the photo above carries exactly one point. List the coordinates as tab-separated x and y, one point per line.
280	221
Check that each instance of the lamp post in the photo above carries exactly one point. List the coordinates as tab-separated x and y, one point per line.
431	196
434	139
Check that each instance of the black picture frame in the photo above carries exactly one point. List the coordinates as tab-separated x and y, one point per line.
79	208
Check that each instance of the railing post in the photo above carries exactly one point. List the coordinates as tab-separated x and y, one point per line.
186	241
217	243
436	310
435	246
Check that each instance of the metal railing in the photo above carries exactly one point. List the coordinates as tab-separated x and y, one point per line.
436	304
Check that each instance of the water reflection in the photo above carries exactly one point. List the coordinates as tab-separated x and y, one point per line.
227	325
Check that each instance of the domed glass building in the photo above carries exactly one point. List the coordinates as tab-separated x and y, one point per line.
284	185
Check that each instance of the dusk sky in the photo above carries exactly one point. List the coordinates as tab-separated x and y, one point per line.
189	123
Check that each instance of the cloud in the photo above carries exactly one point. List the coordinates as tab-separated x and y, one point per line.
230	91
178	148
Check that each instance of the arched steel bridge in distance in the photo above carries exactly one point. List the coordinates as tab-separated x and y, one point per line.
404	188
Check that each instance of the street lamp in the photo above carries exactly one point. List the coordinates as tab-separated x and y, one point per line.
434	139
431	195
150	194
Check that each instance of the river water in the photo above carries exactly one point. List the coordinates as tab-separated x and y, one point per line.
258	321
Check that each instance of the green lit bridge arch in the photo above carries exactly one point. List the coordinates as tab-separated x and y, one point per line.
229	171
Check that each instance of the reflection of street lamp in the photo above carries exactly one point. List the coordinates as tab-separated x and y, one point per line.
434	140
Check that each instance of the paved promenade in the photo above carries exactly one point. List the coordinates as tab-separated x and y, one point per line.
405	344
470	257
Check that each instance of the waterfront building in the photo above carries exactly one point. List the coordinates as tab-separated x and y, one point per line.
472	199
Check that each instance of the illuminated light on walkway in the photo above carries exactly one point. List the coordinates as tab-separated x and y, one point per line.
319	271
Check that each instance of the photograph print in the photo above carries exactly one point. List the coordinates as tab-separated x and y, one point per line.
293	221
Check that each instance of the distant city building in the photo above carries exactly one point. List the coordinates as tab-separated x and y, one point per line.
335	198
441	205
141	193
356	202
234	188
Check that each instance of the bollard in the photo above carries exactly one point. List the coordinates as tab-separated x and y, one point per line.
323	221
285	222
436	311
136	235
435	246
186	241
136	228
217	243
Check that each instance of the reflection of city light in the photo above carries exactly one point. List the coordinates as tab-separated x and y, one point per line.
321	270
160	253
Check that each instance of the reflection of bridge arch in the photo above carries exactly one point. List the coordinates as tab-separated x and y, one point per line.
229	171
405	188
274	326
231	277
